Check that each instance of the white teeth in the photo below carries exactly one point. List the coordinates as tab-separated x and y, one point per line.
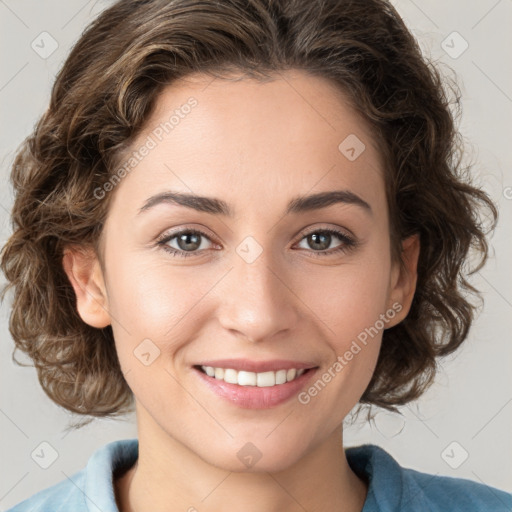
280	376
246	378
243	378
230	376
265	379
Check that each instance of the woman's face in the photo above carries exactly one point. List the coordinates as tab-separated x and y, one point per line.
256	278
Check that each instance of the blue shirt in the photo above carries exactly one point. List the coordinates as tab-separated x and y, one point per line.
391	487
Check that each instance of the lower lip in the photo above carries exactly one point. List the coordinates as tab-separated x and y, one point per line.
253	397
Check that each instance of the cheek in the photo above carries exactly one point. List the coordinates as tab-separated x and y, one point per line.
350	307
156	300
352	303
350	297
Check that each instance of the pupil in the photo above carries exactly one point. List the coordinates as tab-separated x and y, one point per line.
185	238
325	236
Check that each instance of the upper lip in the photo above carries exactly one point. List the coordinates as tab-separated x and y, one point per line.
257	366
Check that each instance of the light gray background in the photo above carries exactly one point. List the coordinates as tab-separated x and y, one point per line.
471	402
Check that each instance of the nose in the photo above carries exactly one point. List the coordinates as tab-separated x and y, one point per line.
257	299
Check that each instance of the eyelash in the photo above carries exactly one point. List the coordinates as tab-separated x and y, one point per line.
347	245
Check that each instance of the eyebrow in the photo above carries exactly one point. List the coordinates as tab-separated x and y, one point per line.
216	206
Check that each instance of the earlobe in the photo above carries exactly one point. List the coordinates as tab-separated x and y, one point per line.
405	277
84	272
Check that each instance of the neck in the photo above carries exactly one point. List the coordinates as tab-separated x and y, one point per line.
168	477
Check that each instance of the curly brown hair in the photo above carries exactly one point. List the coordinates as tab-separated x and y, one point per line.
106	90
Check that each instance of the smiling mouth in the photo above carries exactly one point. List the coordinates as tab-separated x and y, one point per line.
254	379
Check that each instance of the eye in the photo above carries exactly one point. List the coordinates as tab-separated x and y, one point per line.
321	239
189	242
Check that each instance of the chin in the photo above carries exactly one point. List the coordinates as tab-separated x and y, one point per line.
258	456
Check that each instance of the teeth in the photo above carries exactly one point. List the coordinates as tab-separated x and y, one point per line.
290	374
280	376
246	378
261	380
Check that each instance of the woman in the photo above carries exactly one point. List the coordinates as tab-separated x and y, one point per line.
244	219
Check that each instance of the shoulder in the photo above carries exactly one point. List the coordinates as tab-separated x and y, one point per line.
91	486
58	497
406	489
450	493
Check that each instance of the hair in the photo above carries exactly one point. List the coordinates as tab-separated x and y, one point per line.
105	92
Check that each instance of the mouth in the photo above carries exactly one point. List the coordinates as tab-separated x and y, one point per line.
254	385
258	379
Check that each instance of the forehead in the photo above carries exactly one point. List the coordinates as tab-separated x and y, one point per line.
238	138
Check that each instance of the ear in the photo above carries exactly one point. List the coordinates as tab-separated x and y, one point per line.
86	276
403	278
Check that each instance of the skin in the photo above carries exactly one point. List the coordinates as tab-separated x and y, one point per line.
256	146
